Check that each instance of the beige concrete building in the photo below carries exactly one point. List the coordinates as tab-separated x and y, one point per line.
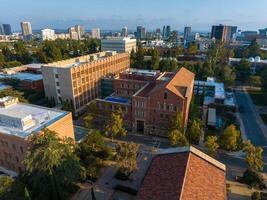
119	44
79	79
18	121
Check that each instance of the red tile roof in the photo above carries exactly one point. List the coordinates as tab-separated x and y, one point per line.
184	175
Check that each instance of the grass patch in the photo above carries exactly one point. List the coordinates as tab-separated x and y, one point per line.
259	98
264	118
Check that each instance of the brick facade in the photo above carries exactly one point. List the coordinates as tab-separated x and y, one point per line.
13	148
155	99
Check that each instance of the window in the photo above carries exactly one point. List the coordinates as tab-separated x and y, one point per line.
165	95
161	115
21	150
168	107
175	108
56	75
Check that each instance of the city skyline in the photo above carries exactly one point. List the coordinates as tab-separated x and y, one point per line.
115	14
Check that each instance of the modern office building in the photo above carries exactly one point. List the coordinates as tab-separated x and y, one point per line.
5	29
95	33
140	33
124	32
187	32
48	34
26	29
168	32
183	173
149	99
263	32
19	121
80	31
119	44
79	79
74	35
223	33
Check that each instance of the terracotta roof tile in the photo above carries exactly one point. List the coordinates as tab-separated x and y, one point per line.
185	176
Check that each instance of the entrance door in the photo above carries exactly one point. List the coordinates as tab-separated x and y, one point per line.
140	126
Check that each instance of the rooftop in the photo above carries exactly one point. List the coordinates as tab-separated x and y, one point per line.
219	87
141	72
118	39
183	173
178	83
75	62
21	119
23	76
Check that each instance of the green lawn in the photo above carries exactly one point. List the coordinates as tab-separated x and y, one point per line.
264	118
259	98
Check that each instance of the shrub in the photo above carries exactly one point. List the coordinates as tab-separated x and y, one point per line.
253	179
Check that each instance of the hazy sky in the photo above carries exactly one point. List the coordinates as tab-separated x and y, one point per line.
113	14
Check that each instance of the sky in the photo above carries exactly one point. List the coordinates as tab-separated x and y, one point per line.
115	14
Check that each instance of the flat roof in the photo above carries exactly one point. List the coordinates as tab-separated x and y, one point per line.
219	87
41	116
23	76
77	61
141	72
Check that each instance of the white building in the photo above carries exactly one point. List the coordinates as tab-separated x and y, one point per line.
119	44
95	33
48	34
124	32
80	31
26	29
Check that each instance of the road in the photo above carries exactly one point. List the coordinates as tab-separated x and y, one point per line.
251	121
249	118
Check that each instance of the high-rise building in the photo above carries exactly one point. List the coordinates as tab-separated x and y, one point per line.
158	31
263	32
19	121
78	79
143	33
80	31
168	32
95	33
139	32
163	31
119	44
223	33
74	35
187	32
26	29
5	29
124	32
48	34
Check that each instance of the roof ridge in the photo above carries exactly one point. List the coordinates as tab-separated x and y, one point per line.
195	151
185	174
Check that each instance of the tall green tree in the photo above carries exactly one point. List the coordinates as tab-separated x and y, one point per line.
126	157
254	157
194	131
230	140
115	125
177	138
254	81
13	189
139	57
212	145
155	59
52	162
92	151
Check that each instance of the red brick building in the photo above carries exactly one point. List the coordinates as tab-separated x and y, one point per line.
185	174
149	99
